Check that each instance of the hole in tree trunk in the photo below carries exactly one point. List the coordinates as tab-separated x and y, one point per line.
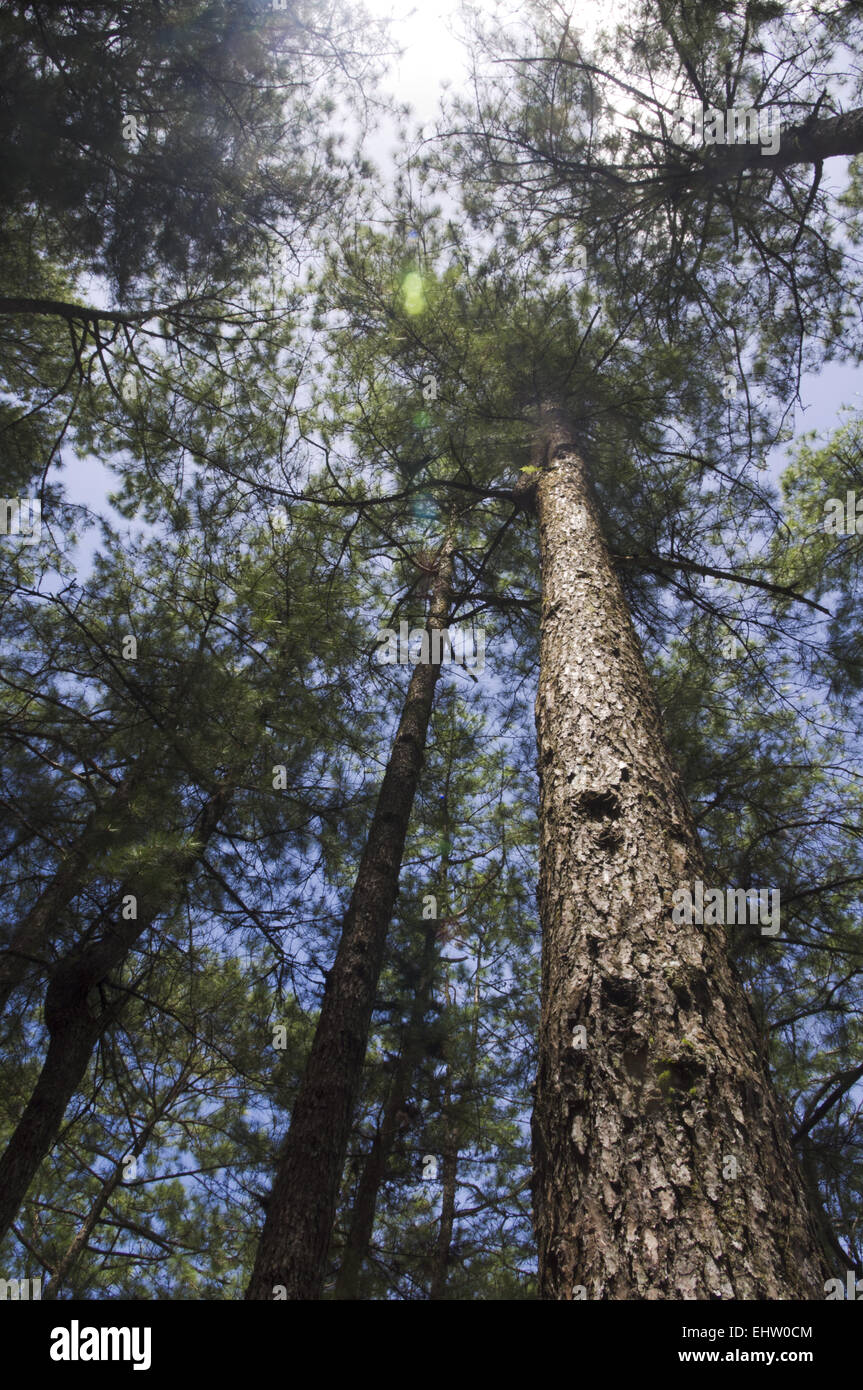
598	805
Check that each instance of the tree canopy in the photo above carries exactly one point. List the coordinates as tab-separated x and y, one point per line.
316	387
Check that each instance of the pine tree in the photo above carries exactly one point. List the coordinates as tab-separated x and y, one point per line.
301	1210
649	1060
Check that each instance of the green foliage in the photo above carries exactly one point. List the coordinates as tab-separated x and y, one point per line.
288	454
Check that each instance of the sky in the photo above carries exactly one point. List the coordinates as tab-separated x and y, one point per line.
433	61
432	54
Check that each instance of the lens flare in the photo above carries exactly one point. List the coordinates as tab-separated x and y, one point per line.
413	293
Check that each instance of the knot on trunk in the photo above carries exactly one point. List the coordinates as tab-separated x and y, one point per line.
598	805
602	807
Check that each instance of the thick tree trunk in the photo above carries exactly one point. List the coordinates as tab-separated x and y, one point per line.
292	1252
662	1165
374	1169
805	144
76	1018
69	1049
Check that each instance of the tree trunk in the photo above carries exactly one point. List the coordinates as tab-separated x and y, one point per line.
28	940
809	143
292	1252
375	1167
69	1050
79	1242
440	1262
76	1018
662	1164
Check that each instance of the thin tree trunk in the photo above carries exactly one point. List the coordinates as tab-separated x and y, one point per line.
292	1252
440	1262
76	1018
28	940
375	1166
79	1242
440	1259
449	1176
662	1165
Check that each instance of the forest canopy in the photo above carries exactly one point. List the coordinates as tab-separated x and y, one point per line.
430	714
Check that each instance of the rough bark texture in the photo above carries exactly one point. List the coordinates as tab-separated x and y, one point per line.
375	1166
292	1252
633	1133
76	1015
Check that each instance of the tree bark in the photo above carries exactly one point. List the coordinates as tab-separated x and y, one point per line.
61	308
636	1135
76	1018
292	1252
804	144
71	1042
375	1166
